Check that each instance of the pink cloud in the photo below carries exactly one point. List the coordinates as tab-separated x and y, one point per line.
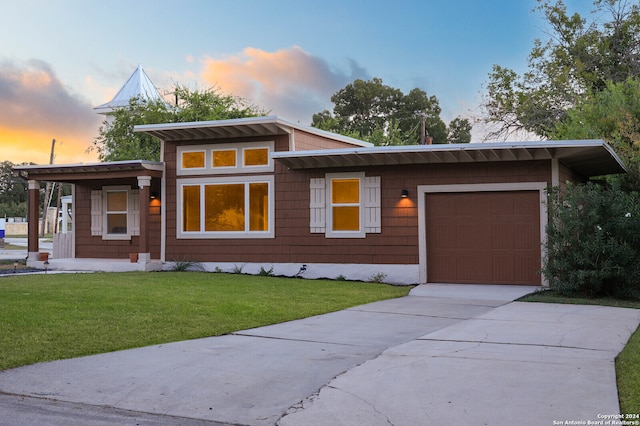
290	82
36	107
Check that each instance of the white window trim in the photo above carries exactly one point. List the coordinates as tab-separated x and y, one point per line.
330	233
189	150
223	168
208	158
99	213
320	205
246	180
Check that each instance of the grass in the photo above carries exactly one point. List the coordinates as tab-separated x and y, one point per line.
8	246
627	362
58	316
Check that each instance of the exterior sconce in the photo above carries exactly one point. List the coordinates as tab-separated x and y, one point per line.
153	195
405	193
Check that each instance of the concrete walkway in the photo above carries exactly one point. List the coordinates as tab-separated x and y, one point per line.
445	355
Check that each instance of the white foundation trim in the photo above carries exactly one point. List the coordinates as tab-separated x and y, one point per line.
390	274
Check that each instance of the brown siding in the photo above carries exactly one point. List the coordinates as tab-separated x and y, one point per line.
90	247
568	175
309	141
293	242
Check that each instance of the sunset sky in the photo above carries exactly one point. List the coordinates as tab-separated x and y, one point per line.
59	59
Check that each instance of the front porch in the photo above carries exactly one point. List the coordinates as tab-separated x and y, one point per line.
116	213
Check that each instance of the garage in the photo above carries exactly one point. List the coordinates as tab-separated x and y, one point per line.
483	237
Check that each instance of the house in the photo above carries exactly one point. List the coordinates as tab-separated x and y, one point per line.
264	193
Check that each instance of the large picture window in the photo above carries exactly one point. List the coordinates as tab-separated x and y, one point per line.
225	207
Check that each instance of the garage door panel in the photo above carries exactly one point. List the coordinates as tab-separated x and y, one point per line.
470	236
503	268
485	237
503	236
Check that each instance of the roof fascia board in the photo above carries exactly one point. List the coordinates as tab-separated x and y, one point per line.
285	126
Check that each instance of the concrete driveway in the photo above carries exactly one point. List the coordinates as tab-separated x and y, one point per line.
446	354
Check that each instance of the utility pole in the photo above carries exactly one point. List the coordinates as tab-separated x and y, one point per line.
47	191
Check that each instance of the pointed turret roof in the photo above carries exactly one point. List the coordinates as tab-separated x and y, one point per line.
138	85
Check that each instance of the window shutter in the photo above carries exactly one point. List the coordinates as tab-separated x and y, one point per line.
372	220
96	213
134	211
317	205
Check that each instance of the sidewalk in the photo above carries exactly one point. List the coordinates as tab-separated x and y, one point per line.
446	355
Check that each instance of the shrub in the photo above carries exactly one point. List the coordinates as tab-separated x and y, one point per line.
186	265
593	241
378	278
266	272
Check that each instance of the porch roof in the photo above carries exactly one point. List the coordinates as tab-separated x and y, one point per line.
239	127
586	157
91	171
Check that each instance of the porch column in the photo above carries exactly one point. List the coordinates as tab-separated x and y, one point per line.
144	182
33	219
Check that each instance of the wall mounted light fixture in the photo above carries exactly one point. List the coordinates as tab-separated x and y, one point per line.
405	193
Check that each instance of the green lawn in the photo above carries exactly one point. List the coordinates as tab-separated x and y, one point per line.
627	362
57	316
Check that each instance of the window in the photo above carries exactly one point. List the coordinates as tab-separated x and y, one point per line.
115	213
191	207
224	158
193	160
256	156
226	208
345	205
227	158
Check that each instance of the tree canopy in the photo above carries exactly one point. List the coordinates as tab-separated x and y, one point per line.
383	115
613	114
13	192
117	140
579	59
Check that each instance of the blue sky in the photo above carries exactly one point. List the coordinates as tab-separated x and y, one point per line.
59	59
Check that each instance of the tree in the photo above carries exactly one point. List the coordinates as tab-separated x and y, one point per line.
13	192
383	115
613	114
579	58
459	131
117	140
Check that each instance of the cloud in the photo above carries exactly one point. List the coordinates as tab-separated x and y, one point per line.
290	82
37	107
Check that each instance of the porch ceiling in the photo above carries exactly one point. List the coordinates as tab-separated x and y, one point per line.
91	171
587	157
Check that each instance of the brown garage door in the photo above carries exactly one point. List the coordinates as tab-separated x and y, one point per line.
483	237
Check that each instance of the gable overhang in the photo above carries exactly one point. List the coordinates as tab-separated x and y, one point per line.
71	173
265	126
586	157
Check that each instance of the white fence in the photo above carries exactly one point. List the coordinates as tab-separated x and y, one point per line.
62	246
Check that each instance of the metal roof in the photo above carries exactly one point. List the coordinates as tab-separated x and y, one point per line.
139	85
71	172
587	157
234	128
